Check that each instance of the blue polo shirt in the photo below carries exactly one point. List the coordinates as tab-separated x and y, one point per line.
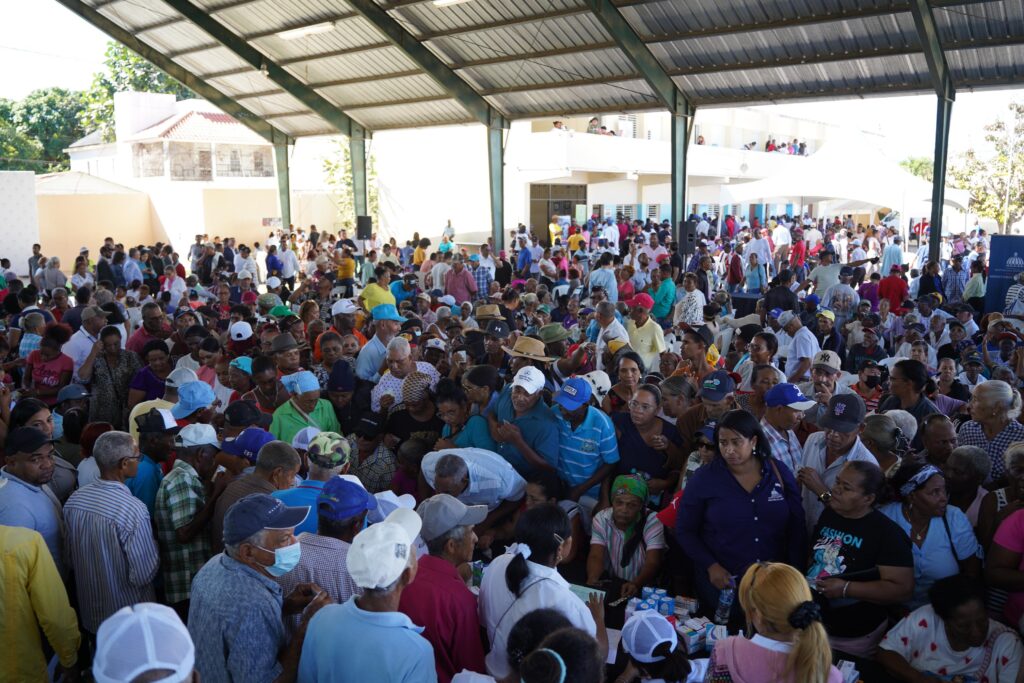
539	428
28	506
524	260
146	481
719	521
303	495
584	450
344	643
401	293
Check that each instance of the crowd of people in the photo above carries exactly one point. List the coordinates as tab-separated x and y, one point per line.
329	459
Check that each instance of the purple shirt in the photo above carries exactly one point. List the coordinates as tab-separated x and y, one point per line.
145	380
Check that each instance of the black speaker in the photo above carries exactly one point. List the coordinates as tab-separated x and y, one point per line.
364	227
688	236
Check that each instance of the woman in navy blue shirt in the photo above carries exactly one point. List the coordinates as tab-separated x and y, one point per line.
649	446
739	509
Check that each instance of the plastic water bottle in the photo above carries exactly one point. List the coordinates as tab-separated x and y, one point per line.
725	600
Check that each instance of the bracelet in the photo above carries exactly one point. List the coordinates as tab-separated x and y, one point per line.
845	587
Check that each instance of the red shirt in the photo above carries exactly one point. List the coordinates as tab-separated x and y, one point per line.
439	600
894	289
139	339
798	253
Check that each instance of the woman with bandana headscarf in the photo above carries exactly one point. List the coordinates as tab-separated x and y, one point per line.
303	409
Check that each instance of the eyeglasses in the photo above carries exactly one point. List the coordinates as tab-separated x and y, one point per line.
641	406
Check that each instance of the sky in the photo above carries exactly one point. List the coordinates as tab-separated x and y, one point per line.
46	45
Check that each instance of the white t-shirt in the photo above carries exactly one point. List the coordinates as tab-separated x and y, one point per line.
804	345
920	638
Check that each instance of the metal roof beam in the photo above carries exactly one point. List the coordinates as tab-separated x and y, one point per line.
251	120
534	87
170	21
286	114
928	34
458	89
256	59
573	50
330	84
394	103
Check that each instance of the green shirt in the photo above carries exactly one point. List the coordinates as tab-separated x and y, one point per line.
664	299
178	500
289	421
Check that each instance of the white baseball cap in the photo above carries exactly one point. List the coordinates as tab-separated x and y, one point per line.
380	553
343	307
300	441
644	632
273	282
388	502
240	331
600	383
529	378
434	343
141	638
196	435
180	377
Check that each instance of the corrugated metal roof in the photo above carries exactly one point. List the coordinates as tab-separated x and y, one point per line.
554	57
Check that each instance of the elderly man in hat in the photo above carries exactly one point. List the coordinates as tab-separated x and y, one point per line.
183	509
368	633
438	598
285	352
784	407
587	445
717	394
157	429
178	378
329	455
340	508
387	323
82	342
25	497
645	334
826	452
235	615
400	363
524	426
826	370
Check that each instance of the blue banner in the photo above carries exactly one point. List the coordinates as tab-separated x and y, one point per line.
1006	261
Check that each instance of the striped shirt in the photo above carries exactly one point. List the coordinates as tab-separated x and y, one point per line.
112	550
614	539
323	562
785	446
584	450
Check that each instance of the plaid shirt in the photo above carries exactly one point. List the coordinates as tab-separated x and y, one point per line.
178	501
29	343
483	279
785	446
953	283
377	471
971	434
323	562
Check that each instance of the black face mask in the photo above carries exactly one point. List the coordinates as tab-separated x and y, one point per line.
873	381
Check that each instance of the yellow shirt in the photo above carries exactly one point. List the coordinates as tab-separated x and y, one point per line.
648	341
33	598
575	241
418	256
556	231
347	269
374	295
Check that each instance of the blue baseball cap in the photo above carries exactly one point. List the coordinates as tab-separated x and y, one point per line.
574	394
341	499
708	430
775	313
812	299
243	363
248	443
717	385
787	395
256	512
386	312
192	396
72	392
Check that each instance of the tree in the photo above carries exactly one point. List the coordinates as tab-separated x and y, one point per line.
996	184
50	116
339	178
19	152
125	71
922	167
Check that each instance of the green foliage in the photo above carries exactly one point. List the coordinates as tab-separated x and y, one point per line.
922	167
125	71
996	183
19	152
50	116
338	170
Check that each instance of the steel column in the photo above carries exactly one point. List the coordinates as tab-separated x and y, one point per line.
681	128
357	156
284	190
928	35
496	178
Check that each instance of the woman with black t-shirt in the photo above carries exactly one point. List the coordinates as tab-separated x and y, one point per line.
861	562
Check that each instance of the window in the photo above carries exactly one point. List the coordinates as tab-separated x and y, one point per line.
654	211
627	125
627	211
242	161
148	159
191	161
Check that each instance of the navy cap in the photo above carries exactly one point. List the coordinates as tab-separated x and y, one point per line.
717	385
844	414
845	271
342	378
368	426
341	499
156	421
256	512
247	444
26	440
498	328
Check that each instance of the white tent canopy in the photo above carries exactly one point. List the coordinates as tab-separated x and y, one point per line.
853	173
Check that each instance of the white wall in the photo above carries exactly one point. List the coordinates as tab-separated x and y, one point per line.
19	218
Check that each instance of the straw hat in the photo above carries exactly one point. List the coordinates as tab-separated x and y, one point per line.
488	312
528	347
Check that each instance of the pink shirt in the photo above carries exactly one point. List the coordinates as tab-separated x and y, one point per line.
460	285
1010	535
758	660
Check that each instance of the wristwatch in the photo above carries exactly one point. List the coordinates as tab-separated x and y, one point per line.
825	497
